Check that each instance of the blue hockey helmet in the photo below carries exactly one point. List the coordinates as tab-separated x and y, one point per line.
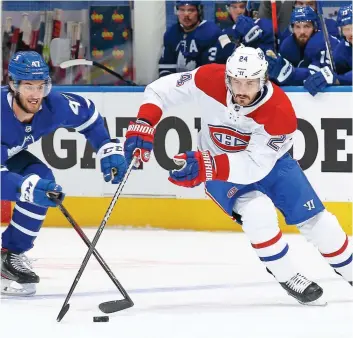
306	13
30	66
197	4
344	16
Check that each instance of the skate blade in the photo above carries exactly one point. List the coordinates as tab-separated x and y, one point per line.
12	288
317	302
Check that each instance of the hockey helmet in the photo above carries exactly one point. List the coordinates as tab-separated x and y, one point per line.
344	16
306	13
30	66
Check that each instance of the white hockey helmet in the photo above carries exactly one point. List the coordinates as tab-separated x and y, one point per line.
247	63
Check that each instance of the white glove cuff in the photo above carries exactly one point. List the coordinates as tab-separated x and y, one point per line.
285	71
327	74
27	188
110	149
253	34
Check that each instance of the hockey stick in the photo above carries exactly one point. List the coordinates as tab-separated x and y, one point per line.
274	23
79	62
60	55
122	303
66	304
326	35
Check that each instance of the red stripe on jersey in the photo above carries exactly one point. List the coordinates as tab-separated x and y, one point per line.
277	114
338	252
211	80
150	113
268	243
222	167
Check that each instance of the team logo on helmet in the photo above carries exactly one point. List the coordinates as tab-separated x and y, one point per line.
228	139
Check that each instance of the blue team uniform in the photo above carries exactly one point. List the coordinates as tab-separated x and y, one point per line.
58	110
342	56
331	26
265	41
305	60
185	51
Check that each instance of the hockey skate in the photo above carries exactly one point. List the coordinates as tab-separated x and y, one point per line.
17	277
303	290
350	282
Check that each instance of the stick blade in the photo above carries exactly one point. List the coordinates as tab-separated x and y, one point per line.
63	312
60	51
76	62
115	305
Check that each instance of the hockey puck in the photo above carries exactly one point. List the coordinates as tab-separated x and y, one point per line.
101	319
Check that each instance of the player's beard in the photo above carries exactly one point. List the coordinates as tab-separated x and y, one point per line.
302	40
242	100
26	106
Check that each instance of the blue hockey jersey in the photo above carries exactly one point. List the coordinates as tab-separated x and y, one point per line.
305	60
58	110
265	42
185	51
331	26
342	56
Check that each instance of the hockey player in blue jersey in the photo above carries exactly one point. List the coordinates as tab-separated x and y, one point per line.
330	23
302	53
29	111
245	31
189	43
342	57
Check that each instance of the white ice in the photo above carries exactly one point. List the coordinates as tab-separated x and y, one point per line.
184	284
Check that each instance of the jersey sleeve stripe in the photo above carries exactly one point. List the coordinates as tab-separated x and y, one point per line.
85	125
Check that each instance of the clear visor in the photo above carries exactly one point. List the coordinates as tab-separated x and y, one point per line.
34	90
244	86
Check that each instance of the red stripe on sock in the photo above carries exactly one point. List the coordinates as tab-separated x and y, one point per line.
338	252
268	243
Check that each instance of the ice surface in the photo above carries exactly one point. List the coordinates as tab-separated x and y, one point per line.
184	284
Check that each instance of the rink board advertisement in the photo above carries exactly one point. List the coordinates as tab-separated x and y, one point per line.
322	145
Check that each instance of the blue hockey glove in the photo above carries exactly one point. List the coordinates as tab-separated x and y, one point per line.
113	164
318	81
246	27
34	189
279	68
198	167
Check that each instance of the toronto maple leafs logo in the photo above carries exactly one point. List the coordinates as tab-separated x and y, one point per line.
183	64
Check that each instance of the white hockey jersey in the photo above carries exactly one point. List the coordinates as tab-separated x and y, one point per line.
245	141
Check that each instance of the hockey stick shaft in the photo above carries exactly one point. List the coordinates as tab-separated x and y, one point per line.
79	62
326	35
96	254
274	23
66	305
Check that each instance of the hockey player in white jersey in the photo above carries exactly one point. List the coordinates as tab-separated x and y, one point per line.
247	127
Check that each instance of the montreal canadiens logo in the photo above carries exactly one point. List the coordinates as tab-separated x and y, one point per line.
231	192
228	139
